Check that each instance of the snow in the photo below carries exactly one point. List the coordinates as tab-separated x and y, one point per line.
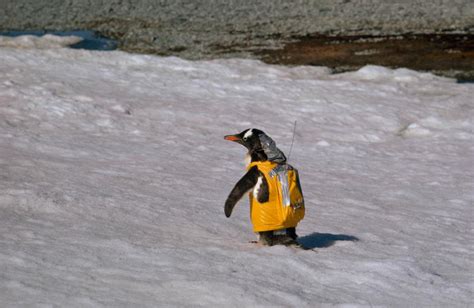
47	41
114	173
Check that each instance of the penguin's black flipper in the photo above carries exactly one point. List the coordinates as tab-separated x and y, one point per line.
246	183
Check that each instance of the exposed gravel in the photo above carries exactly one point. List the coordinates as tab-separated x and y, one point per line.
200	28
203	29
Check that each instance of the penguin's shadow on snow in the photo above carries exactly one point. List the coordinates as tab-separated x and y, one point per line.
324	240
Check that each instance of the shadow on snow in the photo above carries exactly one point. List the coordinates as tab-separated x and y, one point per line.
324	240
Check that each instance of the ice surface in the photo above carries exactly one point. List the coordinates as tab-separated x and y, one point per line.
114	172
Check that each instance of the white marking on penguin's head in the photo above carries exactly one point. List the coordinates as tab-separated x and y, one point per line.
248	134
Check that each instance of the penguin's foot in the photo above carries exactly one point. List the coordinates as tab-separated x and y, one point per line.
284	240
266	238
279	237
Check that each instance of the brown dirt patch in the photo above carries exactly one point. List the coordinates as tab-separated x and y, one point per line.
447	54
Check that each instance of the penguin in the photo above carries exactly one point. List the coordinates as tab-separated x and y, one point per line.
268	174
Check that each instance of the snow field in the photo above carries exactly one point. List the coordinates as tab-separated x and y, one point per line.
114	173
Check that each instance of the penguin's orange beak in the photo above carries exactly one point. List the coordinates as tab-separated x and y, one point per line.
232	138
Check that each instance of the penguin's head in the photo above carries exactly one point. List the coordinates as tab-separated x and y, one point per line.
260	146
249	138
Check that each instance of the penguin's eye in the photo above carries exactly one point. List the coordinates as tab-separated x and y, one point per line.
245	139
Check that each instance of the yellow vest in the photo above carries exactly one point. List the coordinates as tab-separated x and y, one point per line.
285	207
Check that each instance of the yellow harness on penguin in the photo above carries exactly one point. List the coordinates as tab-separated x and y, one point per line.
285	207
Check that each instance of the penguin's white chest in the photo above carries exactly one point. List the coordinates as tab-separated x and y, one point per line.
247	159
257	187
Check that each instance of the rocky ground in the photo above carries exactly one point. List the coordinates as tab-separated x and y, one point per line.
436	35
